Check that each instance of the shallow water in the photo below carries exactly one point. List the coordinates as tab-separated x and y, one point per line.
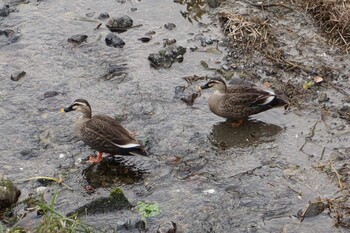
205	175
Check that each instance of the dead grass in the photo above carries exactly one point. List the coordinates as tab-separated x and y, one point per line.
333	17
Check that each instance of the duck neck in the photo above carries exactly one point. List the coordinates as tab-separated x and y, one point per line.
87	114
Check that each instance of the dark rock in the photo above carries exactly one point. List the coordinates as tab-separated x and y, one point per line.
9	193
50	94
5	10
322	97
104	15
170	26
145	39
18	75
28	153
78	39
167	56
150	33
114	40
167	42
121	22
11	35
115	201
167	227
214	3
133	9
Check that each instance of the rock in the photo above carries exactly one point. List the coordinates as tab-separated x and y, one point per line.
167	56
50	94
5	10
322	97
170	26
115	201
133	9
145	39
114	40
77	39
18	75
9	193
167	227
104	15
121	22
214	3
11	35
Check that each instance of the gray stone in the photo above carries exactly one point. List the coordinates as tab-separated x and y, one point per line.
115	41
120	22
9	193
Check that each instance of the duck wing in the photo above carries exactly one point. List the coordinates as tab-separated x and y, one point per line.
105	134
248	96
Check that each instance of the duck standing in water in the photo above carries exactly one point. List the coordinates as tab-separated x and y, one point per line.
103	133
237	102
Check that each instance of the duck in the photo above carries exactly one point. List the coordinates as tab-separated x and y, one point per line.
103	133
238	101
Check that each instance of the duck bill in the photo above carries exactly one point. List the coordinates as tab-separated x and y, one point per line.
205	86
67	109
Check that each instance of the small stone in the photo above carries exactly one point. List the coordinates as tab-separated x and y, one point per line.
77	39
9	193
103	16
5	10
145	39
62	156
209	191
50	94
40	189
114	40
225	67
214	3
120	22
167	227
133	9
170	26
18	75
322	97
90	14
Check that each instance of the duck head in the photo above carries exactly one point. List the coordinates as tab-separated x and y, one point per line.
79	105
216	82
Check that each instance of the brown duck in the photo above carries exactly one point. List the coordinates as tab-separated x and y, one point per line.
103	133
237	102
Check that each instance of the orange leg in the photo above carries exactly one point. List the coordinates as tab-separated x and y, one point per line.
237	123
96	159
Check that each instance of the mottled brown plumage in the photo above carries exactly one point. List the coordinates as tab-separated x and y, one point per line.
239	101
103	133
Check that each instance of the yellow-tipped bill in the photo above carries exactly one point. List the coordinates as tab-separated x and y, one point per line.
62	110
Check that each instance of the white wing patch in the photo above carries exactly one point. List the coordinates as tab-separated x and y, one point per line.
130	145
269	99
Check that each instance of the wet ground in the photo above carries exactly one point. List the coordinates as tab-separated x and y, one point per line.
205	175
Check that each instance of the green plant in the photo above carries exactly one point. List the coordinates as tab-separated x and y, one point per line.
56	222
148	209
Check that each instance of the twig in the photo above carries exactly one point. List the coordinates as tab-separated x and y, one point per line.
337	174
311	134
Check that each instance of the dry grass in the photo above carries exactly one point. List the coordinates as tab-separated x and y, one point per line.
251	32
333	17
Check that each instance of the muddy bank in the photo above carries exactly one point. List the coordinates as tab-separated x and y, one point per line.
203	174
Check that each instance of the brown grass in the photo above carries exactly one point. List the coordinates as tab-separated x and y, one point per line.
333	17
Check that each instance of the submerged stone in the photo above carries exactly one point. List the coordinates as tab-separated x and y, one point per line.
116	201
5	11
170	26
103	15
120	22
77	39
167	56
167	227
114	40
9	193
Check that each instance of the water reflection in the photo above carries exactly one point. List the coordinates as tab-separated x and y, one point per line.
195	9
224	135
111	171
